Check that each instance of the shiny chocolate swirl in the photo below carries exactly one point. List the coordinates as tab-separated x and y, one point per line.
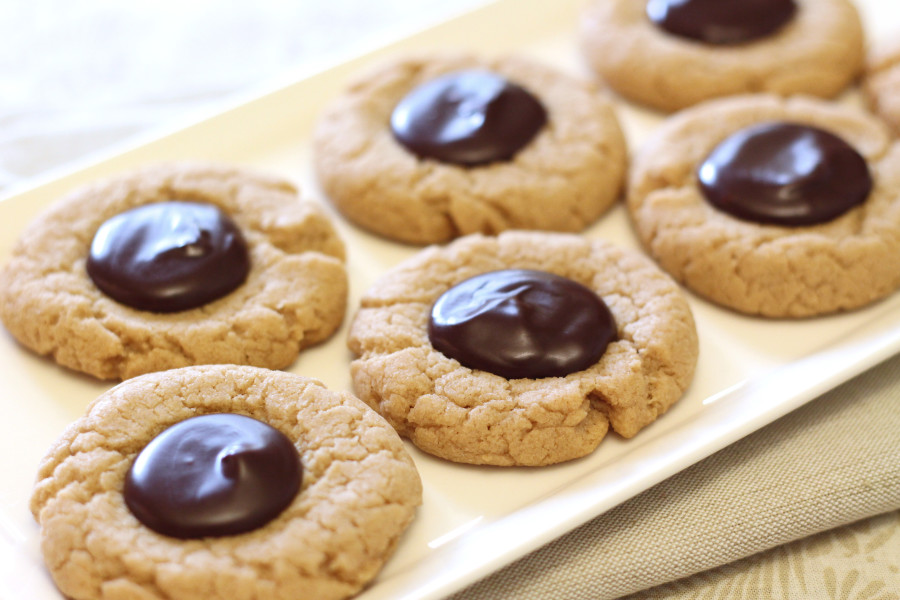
522	324
213	475
468	118
168	256
721	21
783	173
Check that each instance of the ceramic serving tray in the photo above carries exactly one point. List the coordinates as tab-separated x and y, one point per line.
474	519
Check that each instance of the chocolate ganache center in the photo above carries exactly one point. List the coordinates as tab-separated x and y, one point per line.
787	174
468	117
168	256
721	21
213	475
521	324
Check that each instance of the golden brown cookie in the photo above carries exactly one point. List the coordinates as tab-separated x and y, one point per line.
293	294
563	178
819	50
765	268
358	493
471	415
882	83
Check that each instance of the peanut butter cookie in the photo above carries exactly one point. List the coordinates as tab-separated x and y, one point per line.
427	149
522	349
156	492
881	84
175	265
672	54
773	207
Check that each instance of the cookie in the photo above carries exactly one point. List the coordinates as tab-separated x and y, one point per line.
424	150
881	84
671	54
232	268
750	202
431	336
347	489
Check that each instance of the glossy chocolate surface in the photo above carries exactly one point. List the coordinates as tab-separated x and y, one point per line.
468	118
213	475
521	324
721	21
785	174
168	256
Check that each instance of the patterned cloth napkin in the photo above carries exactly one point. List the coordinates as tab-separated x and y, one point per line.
828	464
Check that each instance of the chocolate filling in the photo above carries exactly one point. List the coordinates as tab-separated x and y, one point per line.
468	117
213	475
168	256
784	174
721	21
522	324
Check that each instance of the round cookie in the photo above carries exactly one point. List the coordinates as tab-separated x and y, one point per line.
294	293
359	491
818	51
569	173
474	416
881	85
768	269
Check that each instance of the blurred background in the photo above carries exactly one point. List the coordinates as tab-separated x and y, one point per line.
80	76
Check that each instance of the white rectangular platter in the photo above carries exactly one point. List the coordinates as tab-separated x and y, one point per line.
474	520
